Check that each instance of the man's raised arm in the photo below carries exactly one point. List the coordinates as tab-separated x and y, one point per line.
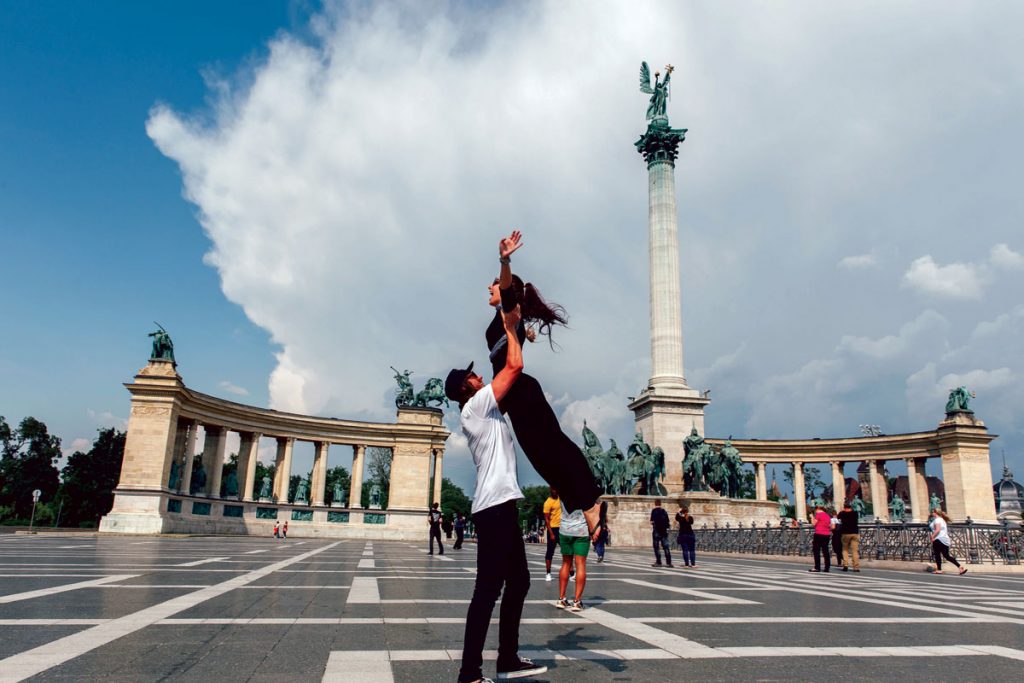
507	376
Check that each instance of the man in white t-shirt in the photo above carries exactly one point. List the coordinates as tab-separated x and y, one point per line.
501	556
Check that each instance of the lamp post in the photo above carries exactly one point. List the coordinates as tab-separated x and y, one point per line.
35	499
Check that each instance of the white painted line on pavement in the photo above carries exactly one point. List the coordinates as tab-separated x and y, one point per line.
709	597
32	662
199	562
367	666
42	592
364	591
366	563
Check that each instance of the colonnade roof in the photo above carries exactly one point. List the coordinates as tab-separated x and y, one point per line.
883	447
413	424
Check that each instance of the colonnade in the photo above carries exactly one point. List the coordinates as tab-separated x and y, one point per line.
213	453
961	443
163	442
917	483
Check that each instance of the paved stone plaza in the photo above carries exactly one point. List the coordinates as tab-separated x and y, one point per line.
215	609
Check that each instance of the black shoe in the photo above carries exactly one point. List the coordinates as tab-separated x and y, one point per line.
669	564
656	564
814	570
846	569
523	669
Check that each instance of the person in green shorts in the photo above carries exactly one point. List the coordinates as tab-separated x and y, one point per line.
575	544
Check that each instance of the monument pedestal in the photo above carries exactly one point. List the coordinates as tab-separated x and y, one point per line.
665	415
629	517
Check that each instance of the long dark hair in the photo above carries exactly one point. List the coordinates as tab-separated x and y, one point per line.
535	310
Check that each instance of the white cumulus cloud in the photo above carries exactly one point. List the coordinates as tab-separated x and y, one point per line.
1004	257
954	281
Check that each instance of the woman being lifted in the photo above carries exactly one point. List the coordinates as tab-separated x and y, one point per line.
554	455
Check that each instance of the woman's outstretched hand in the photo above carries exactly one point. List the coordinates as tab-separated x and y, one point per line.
510	244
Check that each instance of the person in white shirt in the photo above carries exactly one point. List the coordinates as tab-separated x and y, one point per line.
501	556
940	541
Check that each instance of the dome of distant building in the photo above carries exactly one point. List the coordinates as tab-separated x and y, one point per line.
1009	496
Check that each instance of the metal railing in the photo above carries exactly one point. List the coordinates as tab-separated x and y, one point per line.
976	543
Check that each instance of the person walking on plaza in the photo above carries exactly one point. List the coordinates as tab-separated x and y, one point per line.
552	520
850	525
501	555
837	538
434	520
460	530
939	526
659	534
686	539
574	541
822	535
284	530
602	538
555	456
277	529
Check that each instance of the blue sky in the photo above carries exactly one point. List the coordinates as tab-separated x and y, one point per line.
286	188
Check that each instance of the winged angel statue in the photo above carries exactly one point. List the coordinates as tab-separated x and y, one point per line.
659	93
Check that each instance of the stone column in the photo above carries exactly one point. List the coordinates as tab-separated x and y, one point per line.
178	453
248	451
355	496
799	491
879	500
213	458
761	471
838	484
283	469
966	473
190	454
319	483
438	458
922	487
917	504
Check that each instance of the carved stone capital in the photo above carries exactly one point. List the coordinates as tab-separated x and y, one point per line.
660	142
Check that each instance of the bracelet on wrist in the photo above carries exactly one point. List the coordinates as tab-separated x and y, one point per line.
505	260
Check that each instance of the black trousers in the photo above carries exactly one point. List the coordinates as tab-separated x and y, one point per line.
500	563
940	550
820	547
459	535
554	455
662	541
435	532
837	547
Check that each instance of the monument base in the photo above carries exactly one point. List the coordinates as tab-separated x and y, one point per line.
665	415
629	517
139	511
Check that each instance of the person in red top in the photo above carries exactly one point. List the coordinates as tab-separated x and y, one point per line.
822	535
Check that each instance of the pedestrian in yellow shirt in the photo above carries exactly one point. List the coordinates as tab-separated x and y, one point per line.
553	520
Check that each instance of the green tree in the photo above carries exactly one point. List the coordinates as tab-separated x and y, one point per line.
88	480
531	508
337	475
748	484
378	471
812	480
28	457
454	499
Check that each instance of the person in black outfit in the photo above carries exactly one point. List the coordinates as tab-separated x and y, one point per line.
434	520
556	457
659	534
687	539
460	530
837	538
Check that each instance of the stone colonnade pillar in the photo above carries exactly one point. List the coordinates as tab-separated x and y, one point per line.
213	458
838	484
879	502
918	505
355	497
320	472
283	469
438	458
761	472
178	452
189	457
248	451
799	491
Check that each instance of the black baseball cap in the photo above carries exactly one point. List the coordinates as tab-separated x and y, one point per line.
453	383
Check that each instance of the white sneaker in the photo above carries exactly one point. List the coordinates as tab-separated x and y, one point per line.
547	577
573	577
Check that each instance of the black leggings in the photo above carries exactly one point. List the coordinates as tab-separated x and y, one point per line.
820	548
940	550
556	457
